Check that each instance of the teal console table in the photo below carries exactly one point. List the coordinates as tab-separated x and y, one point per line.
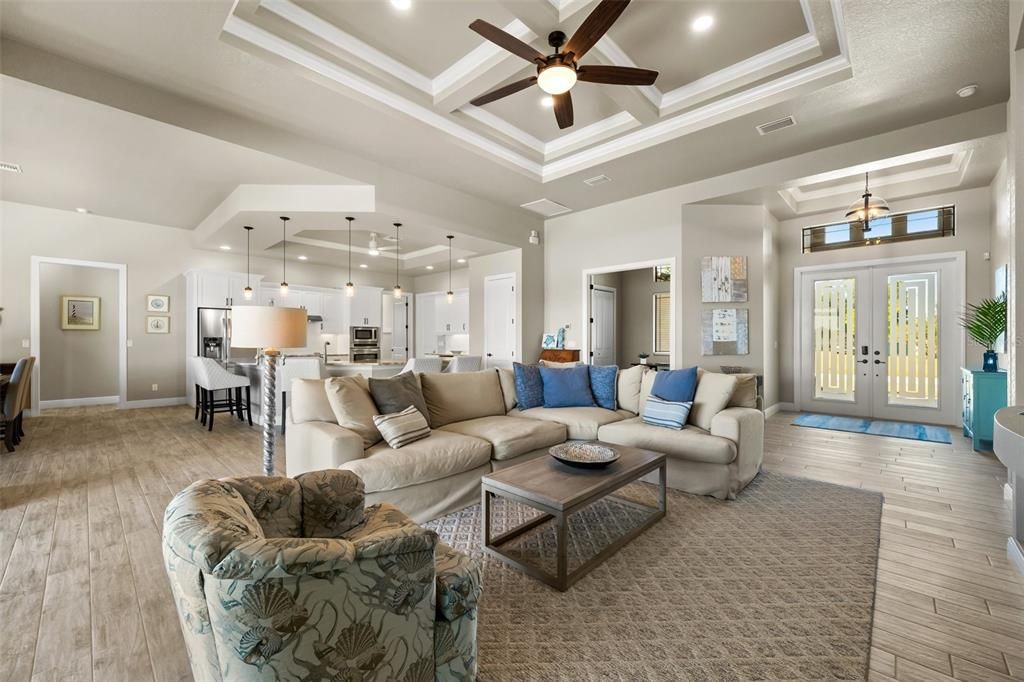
983	393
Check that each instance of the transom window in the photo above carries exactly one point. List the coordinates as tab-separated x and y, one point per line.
895	227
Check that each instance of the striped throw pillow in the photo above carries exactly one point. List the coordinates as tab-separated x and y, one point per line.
659	412
402	428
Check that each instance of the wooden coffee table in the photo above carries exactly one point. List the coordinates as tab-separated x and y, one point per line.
559	490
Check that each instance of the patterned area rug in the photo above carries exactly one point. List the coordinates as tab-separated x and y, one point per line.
776	585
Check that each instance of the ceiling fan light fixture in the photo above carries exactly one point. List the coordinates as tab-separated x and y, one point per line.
557	79
374	249
547	102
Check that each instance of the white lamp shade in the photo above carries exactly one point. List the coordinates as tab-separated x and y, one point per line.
259	326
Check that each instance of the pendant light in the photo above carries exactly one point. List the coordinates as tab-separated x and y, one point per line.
868	207
350	289
247	291
284	255
451	294
398	262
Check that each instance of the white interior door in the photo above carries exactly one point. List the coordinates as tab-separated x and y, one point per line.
400	333
499	320
602	326
882	342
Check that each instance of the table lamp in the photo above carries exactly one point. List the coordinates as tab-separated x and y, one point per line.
268	328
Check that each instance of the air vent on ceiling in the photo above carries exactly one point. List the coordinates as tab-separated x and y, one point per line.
10	167
773	126
597	180
546	207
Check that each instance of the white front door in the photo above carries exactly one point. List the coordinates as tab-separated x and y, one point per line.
499	320
602	326
882	341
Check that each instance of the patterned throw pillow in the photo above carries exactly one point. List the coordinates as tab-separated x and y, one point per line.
604	386
529	386
666	413
407	426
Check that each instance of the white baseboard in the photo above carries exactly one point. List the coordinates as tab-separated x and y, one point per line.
1008	492
155	402
782	407
771	410
1015	554
79	402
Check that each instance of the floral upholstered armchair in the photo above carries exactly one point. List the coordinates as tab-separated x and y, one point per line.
292	579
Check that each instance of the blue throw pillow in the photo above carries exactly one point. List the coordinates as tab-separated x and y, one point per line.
603	384
529	386
671	415
567	387
677	385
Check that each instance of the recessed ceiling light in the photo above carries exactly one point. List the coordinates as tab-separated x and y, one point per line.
547	102
303	257
430	267
401	4
225	247
703	23
363	266
82	210
967	90
461	260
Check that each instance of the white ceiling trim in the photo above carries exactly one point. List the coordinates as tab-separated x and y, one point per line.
595	132
478	61
337	246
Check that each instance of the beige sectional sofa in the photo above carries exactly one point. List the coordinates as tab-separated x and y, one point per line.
477	428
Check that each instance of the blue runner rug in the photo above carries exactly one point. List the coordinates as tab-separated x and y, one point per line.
925	432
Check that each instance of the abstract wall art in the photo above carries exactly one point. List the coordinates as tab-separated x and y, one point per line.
723	279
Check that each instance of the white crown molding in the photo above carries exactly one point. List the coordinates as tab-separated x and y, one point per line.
602	141
338	246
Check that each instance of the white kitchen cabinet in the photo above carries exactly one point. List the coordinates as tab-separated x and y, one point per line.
220	289
311	301
335	313
452	318
365	307
426	324
236	289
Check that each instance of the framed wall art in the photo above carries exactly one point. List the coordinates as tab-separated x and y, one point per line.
725	331
158	303
723	279
158	324
81	313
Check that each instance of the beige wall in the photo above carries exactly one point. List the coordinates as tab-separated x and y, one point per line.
636	315
156	258
438	281
999	238
77	363
973	233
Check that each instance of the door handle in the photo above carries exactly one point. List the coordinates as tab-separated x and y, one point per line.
862	362
490	355
879	362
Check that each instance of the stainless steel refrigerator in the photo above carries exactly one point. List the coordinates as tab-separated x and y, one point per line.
214	337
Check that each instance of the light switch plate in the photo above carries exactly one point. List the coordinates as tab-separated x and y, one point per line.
25	343
130	343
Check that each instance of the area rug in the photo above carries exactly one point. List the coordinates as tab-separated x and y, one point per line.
778	584
876	427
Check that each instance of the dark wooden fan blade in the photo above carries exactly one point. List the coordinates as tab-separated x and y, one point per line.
506	41
595	26
616	75
504	91
563	109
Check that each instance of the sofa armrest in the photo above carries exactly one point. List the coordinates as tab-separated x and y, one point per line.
312	446
745	427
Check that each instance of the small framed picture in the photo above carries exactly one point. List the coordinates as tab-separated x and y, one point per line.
158	303
158	324
550	341
80	313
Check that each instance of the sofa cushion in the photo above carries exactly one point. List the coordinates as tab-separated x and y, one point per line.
403	428
460	396
646	384
399	392
677	385
512	437
567	387
604	385
529	386
440	455
666	413
353	407
629	388
507	379
714	391
307	401
691	443
581	422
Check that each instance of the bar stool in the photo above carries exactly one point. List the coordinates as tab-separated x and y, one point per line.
211	377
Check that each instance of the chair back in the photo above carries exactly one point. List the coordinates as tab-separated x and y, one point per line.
26	392
466	363
424	365
17	388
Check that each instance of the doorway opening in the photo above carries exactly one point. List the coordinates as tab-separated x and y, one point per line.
880	339
629	312
78	331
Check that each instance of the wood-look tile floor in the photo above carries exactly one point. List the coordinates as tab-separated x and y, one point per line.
83	594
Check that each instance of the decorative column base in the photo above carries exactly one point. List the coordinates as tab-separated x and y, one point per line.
269	411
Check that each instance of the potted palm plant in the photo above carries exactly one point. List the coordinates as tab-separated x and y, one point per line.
985	322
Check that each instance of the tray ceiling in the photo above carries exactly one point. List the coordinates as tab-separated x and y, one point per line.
427	64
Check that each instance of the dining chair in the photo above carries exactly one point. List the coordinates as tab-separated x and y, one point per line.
13	400
465	363
211	377
424	365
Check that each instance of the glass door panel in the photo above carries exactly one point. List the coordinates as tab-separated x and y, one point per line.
835	339
913	339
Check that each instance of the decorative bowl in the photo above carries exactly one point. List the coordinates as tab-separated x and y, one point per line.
584	455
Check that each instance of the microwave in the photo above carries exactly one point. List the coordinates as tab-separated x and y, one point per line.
364	336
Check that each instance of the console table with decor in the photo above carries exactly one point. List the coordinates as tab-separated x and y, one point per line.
560	354
984	393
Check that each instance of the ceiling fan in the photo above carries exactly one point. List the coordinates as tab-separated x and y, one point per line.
558	72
